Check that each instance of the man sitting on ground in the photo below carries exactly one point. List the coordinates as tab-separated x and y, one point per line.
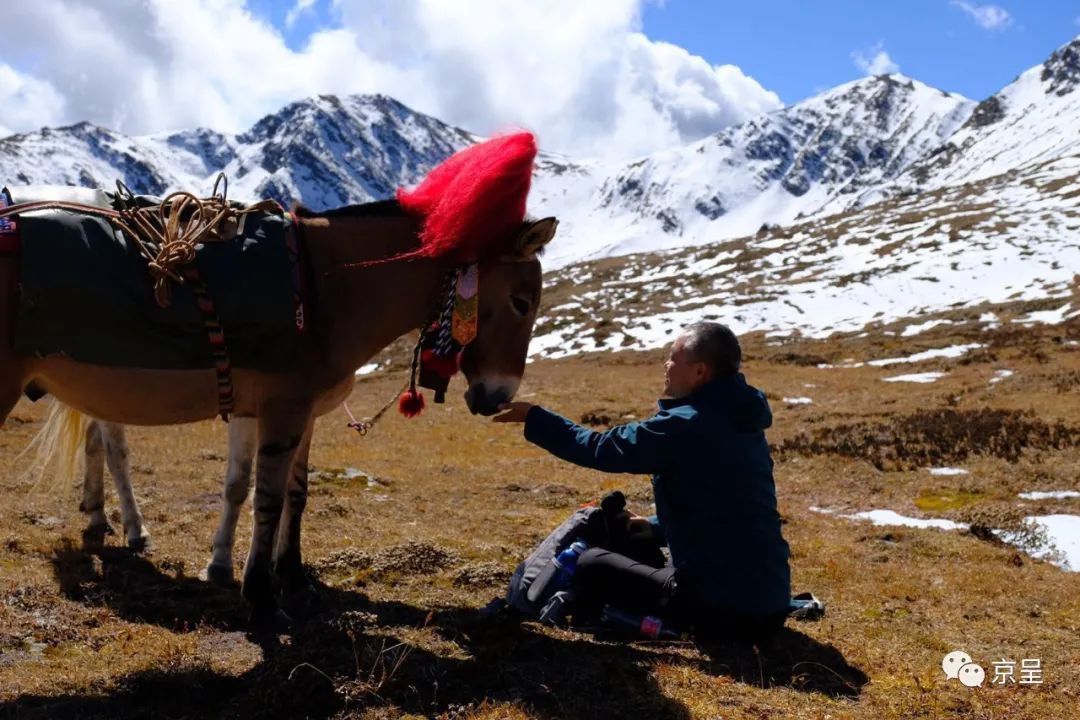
714	493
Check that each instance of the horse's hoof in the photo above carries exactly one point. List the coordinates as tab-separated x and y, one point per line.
101	528
94	535
220	575
302	602
270	621
139	545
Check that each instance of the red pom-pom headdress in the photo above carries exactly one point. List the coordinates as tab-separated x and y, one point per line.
474	199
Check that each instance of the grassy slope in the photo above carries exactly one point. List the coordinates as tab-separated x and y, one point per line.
84	633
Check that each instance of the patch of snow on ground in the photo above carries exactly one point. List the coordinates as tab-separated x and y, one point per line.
798	400
947	352
1049	494
889	517
368	369
1047	317
947	471
927	377
1063	534
1000	375
923	327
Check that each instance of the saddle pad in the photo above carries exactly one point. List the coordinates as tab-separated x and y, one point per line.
86	293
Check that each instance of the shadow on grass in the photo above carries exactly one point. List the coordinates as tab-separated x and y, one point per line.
359	654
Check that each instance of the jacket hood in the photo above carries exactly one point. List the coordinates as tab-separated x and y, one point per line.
744	404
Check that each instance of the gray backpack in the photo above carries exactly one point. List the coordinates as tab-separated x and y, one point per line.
531	586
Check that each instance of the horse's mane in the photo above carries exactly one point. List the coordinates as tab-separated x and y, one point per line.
378	208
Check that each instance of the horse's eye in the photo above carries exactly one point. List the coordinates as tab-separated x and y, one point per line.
521	306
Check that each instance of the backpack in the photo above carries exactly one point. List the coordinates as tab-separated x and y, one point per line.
534	581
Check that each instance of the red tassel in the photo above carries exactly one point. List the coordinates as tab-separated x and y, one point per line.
442	365
474	198
411	403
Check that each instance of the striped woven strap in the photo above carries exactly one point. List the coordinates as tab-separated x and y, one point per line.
216	334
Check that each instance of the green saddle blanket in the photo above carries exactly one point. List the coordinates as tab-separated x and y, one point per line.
86	293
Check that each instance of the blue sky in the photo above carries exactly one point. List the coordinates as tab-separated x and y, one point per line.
798	48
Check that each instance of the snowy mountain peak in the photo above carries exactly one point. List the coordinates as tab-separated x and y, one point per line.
328	151
881	90
322	151
1061	72
1032	120
817	156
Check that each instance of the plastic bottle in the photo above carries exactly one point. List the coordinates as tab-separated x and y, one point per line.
648	626
566	562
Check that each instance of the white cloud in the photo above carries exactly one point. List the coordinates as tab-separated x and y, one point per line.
579	73
298	9
988	17
874	61
26	102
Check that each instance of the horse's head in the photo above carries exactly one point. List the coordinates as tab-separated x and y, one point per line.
510	285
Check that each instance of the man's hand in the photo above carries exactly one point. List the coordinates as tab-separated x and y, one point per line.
515	412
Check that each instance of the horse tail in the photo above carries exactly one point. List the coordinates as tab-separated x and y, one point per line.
57	446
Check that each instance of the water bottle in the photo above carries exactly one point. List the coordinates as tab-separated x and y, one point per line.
566	564
648	626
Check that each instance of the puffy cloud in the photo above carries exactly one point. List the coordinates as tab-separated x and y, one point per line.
988	17
579	73
874	61
26	102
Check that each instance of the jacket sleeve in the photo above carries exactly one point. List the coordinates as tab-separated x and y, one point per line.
639	447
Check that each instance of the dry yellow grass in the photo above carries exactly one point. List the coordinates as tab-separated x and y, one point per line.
103	633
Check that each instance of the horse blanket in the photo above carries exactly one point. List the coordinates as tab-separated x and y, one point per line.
86	293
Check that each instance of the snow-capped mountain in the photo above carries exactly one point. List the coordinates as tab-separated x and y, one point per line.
1035	118
323	152
813	157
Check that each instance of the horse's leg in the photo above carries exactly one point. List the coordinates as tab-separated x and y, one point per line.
11	367
288	566
281	431
242	437
9	393
116	453
93	499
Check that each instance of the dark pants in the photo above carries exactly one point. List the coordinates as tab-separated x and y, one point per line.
607	578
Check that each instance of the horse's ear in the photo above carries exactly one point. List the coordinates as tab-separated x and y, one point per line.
535	236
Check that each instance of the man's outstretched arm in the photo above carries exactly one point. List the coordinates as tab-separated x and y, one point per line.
638	447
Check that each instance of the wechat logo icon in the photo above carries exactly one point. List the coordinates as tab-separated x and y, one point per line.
958	666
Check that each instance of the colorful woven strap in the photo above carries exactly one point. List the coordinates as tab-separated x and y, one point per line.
296	264
216	335
466	304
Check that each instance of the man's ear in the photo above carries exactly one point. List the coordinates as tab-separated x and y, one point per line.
535	236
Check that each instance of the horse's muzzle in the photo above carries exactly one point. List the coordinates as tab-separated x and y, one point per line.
483	400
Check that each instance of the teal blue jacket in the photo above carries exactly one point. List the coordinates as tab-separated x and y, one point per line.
712	482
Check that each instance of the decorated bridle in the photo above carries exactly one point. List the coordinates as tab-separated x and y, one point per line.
437	354
468	202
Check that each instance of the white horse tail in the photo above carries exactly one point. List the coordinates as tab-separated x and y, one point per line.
58	445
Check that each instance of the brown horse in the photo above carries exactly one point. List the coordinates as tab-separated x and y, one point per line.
357	310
